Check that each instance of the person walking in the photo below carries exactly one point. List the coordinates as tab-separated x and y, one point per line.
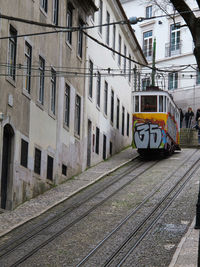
197	114
188	117
181	117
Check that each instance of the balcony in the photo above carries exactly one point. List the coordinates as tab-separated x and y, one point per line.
172	49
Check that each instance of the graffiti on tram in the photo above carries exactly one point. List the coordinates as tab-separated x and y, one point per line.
147	135
152	133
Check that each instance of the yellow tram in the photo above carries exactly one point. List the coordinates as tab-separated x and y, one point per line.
156	122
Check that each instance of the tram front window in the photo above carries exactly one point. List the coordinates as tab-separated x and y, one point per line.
137	104
149	103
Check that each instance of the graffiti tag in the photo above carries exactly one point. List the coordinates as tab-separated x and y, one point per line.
147	135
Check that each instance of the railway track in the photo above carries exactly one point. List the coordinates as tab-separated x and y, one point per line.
13	249
119	257
130	243
20	240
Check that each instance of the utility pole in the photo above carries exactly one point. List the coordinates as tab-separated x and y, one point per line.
153	63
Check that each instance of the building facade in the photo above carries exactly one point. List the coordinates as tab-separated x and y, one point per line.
41	104
177	68
65	101
109	83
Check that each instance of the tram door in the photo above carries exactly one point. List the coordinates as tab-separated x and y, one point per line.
89	143
6	163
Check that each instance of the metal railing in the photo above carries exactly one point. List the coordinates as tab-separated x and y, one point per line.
172	49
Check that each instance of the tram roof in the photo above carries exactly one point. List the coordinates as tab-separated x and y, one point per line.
155	91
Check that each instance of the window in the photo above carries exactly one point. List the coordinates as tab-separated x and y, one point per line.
28	59
37	162
127	124
148	11
114	37
64	169
100	15
41	81
119	47
198	77
44	5
129	68
173	80
175	38
123	117
149	103
161	108
55	11
77	115
110	148
164	104
69	23
124	59
147	44
24	153
97	140
90	78
104	147
67	105
118	107
53	91
12	51
106	98
49	168
80	39
108	28
112	107
98	88
137	103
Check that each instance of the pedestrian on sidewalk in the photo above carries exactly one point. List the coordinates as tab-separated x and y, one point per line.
181	117
188	117
197	114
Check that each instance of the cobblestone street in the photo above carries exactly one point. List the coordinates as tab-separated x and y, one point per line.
169	237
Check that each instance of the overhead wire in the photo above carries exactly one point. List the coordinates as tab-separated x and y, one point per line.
49	25
103	71
83	28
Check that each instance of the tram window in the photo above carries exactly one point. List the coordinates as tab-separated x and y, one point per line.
160	103
173	111
167	105
137	103
149	103
164	108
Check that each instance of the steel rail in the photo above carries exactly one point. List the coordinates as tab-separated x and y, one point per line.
94	250
145	220
79	218
63	212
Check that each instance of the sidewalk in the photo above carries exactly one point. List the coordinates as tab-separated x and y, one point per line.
186	253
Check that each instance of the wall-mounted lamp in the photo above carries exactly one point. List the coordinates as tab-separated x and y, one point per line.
160	22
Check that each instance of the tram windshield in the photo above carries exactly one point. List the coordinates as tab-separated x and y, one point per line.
149	103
